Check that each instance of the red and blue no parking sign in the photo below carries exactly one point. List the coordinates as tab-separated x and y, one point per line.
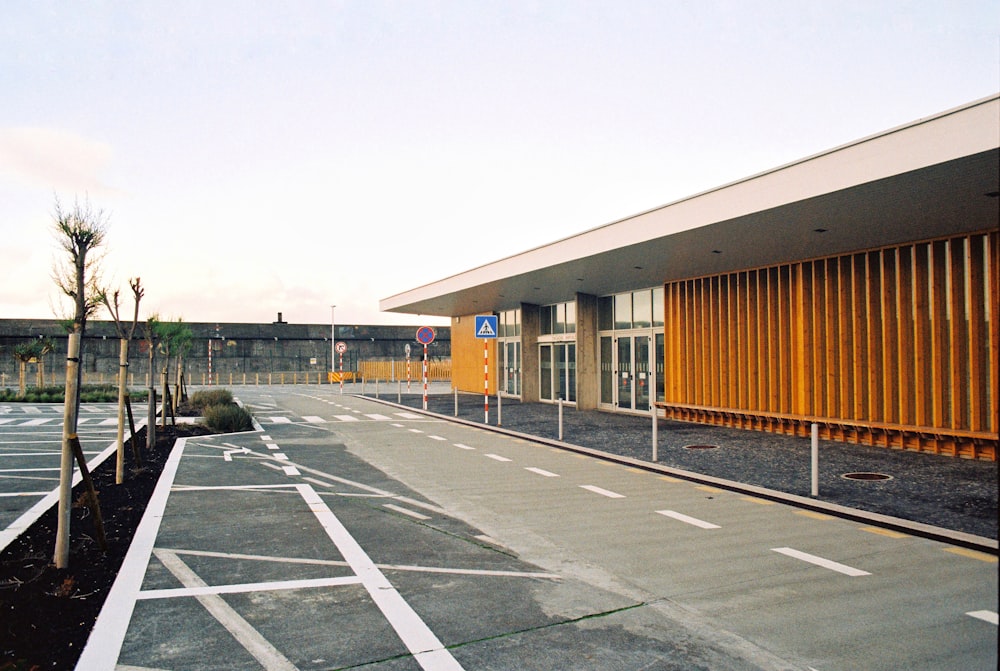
425	335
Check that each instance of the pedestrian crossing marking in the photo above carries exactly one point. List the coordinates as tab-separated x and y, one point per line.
313	419
347	418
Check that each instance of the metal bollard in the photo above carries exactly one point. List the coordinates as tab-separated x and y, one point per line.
499	410
655	432
456	402
376	387
560	419
815	459
399	392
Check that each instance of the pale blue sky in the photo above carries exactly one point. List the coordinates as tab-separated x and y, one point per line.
257	157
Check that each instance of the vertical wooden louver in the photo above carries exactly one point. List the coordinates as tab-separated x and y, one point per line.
894	346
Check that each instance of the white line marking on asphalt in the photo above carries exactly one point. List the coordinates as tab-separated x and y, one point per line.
496	457
26	470
428	651
32	410
347	418
37	422
6	421
408	415
290	470
542	471
106	638
108	422
688	520
313	419
415	431
437	438
377	417
405	511
464	447
820	561
171	593
398	426
280	420
280	456
272	446
985	616
265	438
251	639
10	494
603	492
420	504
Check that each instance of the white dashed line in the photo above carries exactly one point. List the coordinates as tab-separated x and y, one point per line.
347	418
313	419
820	561
280	420
405	511
437	438
463	447
496	457
273	446
688	520
541	471
603	492
985	616
290	470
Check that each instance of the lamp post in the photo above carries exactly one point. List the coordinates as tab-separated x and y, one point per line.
333	342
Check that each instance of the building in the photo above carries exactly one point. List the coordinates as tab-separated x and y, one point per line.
856	289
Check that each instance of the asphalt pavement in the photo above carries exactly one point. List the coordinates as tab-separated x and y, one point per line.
947	493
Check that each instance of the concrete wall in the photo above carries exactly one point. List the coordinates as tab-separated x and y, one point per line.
236	348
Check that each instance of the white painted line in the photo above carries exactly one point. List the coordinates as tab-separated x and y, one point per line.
405	511
108	422
415	431
290	470
488	539
108	634
6	421
347	418
32	410
398	426
496	457
603	492
820	561
251	639
377	417
313	419
429	652
985	616
420	504
541	471
318	482
37	422
272	446
172	593
688	520
265	438
407	415
280	420
11	494
26	470
437	438
280	456
464	447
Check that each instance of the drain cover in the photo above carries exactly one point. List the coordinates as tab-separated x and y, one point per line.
866	476
701	447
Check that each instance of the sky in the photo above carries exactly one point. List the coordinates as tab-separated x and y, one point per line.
261	157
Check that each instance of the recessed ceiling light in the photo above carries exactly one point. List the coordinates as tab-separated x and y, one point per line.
637	267
716	251
993	194
819	230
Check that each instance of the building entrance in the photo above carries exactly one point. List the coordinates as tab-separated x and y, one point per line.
627	377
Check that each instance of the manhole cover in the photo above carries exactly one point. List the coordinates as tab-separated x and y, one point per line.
866	476
701	447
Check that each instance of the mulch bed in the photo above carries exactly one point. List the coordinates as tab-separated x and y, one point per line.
46	614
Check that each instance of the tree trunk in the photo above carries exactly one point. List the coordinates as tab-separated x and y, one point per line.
61	555
22	384
122	392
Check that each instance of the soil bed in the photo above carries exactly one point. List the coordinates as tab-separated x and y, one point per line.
46	614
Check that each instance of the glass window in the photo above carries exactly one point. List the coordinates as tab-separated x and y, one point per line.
571	317
605	313
658	306
642	309
559	318
545	314
623	311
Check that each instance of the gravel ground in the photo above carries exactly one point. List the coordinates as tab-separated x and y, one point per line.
947	492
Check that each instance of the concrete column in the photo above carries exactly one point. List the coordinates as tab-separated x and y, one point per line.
587	353
530	325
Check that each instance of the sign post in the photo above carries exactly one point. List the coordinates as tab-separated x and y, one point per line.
425	336
407	350
486	329
341	347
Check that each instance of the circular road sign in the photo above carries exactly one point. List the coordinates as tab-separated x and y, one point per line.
405	349
425	335
341	347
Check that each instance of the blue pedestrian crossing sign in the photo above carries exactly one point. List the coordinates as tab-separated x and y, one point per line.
486	326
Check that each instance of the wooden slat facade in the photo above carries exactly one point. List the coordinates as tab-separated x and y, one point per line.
894	346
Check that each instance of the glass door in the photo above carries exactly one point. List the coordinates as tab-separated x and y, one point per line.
625	372
642	376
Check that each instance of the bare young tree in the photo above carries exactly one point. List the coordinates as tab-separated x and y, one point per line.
80	232
125	333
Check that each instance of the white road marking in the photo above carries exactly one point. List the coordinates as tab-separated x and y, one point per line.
421	504
171	593
377	417
541	471
272	446
290	470
251	639
437	438
280	420
37	422
398	426
603	492
985	615
688	520
415	431
405	511
10	494
496	457
408	415
464	447
265	438
429	652
280	456
347	418
313	419
820	561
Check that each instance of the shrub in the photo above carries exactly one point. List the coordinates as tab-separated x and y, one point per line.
228	418
204	398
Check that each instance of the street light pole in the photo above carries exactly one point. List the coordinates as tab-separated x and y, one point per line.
333	343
